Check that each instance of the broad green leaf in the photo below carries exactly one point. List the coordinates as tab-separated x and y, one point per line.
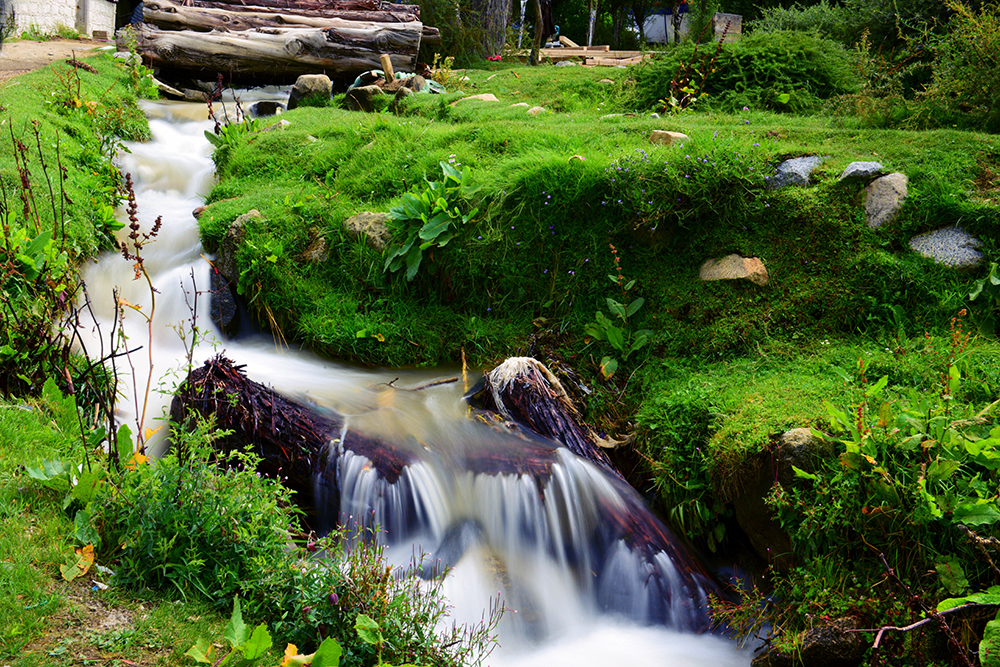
608	366
201	651
328	654
258	644
799	472
615	337
989	647
877	388
634	307
616	308
49	471
125	443
368	630
79	563
435	227
977	514
952	577
939	470
83	531
594	331
236	631
413	262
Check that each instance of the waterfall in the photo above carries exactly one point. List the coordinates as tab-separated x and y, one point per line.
582	588
520	29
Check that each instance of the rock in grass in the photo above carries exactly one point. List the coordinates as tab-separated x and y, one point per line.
951	246
225	260
667	138
861	170
534	111
883	199
309	85
372	228
362	98
734	267
831	643
795	171
483	97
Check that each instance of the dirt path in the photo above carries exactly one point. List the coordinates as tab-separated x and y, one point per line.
24	55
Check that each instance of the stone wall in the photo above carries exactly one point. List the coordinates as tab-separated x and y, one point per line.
47	16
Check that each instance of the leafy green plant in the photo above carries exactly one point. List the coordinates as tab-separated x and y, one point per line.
987	291
429	218
245	645
226	137
181	523
625	341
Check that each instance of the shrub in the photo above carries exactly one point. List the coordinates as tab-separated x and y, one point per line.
181	523
968	57
784	71
823	19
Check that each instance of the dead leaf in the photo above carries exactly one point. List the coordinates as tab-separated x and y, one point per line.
80	564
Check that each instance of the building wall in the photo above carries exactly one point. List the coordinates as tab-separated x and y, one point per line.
84	16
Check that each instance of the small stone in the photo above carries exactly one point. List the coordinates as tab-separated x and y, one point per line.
862	170
307	86
519	104
534	111
566	63
280	125
197	213
225	260
795	171
266	108
605	81
371	227
317	252
883	199
483	97
734	267
654	115
951	246
361	98
666	137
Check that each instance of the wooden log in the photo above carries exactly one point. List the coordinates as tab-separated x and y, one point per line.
347	47
522	390
310	5
170	15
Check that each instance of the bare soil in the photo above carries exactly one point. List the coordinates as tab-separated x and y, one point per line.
24	56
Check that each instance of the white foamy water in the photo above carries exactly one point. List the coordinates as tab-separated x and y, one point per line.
577	591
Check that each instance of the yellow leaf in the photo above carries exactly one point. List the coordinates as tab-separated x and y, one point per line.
148	433
870	459
136	461
78	565
293	659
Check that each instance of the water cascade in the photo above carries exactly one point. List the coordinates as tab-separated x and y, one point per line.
587	589
520	29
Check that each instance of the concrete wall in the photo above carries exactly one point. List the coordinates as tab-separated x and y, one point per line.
84	16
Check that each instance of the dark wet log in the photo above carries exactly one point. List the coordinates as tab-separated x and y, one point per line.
347	47
170	15
524	391
311	5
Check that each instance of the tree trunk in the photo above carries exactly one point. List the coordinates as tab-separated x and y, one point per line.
347	47
313	5
170	15
493	16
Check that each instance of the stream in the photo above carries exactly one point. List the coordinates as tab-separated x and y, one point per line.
502	535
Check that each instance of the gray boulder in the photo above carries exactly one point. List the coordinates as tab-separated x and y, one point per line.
951	246
361	98
734	267
830	644
223	308
266	108
883	199
225	260
861	170
795	171
306	86
370	227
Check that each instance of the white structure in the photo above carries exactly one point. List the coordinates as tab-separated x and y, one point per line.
48	16
659	28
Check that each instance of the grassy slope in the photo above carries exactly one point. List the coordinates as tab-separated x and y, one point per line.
44	619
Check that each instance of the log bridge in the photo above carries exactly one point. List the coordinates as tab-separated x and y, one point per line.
275	41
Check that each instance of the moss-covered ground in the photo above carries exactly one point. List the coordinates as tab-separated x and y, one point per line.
567	198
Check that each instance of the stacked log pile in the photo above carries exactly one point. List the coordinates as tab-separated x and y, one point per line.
275	41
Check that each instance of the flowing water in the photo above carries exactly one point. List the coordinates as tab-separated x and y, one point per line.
574	600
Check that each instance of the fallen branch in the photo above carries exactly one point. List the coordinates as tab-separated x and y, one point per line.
914	626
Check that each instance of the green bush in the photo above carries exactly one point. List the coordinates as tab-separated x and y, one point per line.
968	57
823	19
181	523
782	71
